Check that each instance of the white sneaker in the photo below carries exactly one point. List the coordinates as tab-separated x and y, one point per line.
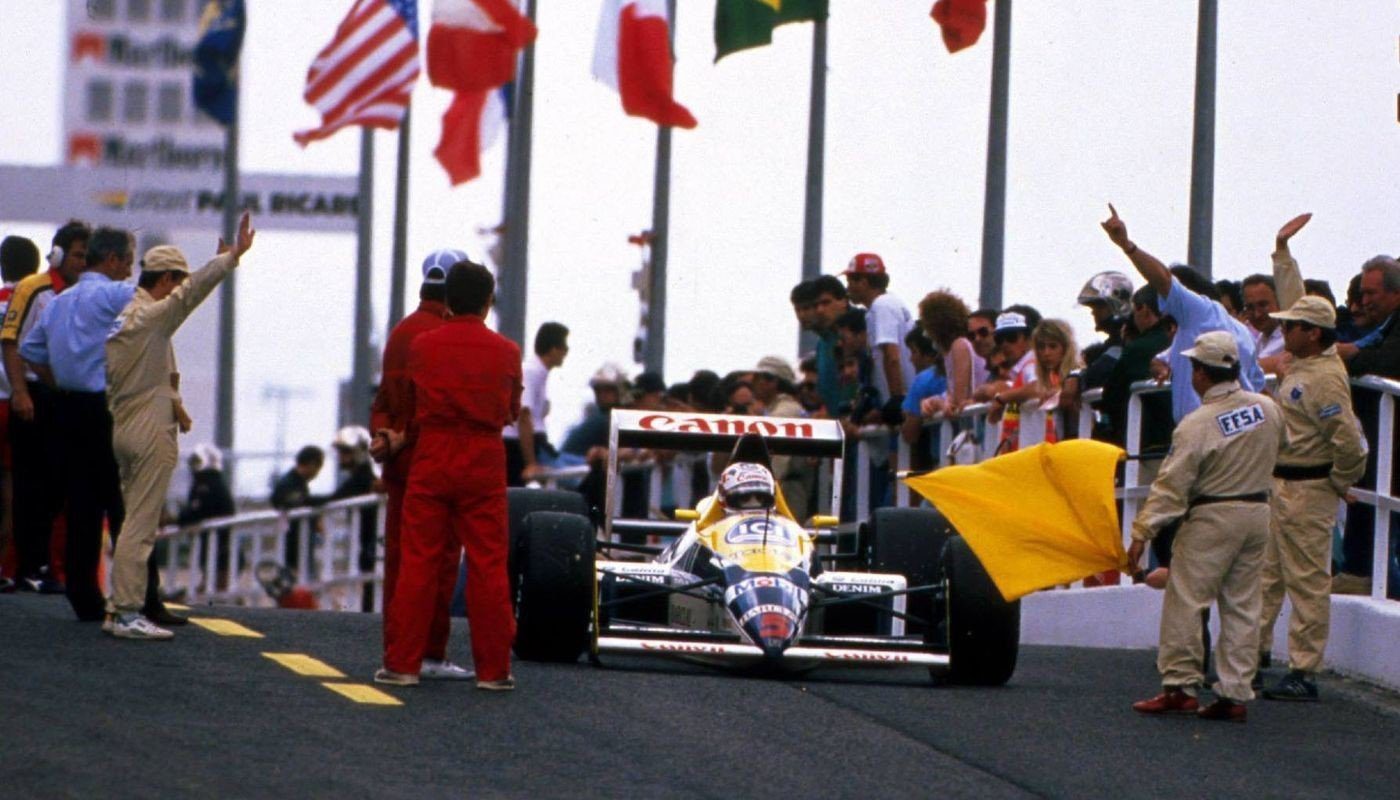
505	684
434	670
136	626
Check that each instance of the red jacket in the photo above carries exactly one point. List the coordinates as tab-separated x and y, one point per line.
393	403
466	379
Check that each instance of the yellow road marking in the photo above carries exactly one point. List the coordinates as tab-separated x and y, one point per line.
225	627
176	607
303	664
362	693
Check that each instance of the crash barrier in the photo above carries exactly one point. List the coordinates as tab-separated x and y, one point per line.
328	553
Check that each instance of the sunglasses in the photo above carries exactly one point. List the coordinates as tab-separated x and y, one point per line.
1003	338
1290	324
980	333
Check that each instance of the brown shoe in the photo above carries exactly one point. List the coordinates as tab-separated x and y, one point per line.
1223	710
1171	701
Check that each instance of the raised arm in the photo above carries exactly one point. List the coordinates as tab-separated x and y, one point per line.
1288	279
172	311
1152	270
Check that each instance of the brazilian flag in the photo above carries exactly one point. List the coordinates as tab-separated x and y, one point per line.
741	24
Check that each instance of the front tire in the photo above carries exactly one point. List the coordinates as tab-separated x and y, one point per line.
908	541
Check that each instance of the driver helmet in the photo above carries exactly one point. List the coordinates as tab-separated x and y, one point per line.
1111	288
746	486
206	456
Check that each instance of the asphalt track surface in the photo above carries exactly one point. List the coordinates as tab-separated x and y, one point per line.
209	716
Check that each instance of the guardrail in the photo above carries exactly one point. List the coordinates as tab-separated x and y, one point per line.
330	561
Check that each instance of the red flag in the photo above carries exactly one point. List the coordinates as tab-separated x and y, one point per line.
961	22
366	74
472	50
633	56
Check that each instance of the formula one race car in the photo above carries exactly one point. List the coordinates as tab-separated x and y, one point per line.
737	580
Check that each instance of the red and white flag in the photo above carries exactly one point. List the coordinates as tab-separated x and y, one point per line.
633	56
472	50
365	76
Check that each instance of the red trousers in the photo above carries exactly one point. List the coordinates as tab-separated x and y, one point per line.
441	624
456	496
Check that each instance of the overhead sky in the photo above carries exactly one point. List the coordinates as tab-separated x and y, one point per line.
1101	100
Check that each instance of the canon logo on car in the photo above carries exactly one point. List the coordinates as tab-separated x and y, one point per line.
726	426
883	658
677	647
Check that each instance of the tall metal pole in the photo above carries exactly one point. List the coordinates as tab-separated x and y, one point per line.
398	277
363	359
223	396
994	204
655	360
816	163
1198	247
512	282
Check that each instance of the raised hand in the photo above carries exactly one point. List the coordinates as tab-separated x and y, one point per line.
1116	230
244	240
1291	227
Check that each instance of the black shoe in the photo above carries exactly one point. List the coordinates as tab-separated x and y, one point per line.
1257	682
164	616
1266	659
41	584
1295	686
7	586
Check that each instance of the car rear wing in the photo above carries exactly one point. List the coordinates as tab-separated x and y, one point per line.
719	433
689	431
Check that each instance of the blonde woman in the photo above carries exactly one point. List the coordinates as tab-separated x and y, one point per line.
1056	356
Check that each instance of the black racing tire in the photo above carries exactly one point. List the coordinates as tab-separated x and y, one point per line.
984	631
908	542
555	601
520	503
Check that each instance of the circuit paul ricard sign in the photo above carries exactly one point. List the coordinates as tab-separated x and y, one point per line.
136	151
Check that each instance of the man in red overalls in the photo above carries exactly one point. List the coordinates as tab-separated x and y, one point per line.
393	411
466	388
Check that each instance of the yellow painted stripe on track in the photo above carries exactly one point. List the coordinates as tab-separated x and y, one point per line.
303	664
225	627
176	607
362	693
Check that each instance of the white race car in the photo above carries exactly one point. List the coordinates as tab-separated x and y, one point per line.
746	583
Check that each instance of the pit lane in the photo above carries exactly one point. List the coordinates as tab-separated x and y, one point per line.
210	715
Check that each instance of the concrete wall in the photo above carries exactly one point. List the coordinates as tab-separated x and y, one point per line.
1364	641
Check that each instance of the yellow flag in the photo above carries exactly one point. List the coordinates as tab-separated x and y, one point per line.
1036	517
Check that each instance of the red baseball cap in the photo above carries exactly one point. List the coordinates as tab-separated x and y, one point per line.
865	264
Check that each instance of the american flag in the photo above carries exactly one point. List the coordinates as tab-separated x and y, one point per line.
365	76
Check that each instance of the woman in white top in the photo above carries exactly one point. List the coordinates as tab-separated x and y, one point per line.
943	316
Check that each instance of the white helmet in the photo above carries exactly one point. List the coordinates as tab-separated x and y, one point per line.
746	486
610	374
351	437
206	456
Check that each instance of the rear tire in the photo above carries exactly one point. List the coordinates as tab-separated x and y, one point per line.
521	503
908	541
984	631
555	601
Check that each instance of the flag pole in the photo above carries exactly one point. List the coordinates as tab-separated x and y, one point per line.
1198	248
816	156
512	282
655	360
224	396
362	359
994	203
398	277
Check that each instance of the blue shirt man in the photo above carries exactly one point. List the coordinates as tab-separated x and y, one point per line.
71	337
927	383
1196	314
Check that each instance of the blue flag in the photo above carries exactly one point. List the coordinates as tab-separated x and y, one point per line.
216	59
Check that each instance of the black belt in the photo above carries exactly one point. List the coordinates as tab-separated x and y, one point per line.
1293	472
1207	499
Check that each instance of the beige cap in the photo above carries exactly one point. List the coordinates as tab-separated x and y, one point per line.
1312	310
165	258
777	367
1215	349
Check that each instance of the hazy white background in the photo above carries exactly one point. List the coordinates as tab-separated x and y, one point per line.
1101	95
